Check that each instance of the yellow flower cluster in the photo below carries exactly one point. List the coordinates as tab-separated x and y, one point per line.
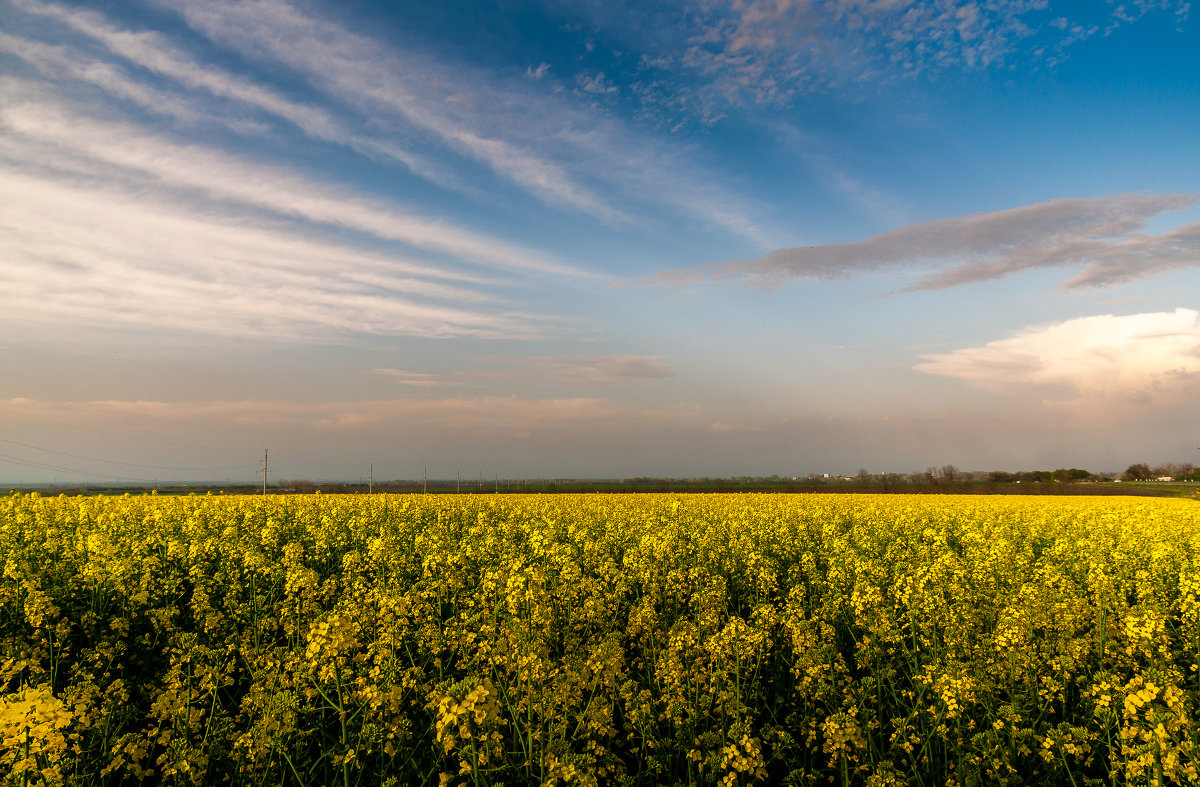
599	639
32	721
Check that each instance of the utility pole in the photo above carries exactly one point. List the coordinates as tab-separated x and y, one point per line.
264	472
425	481
458	483
371	482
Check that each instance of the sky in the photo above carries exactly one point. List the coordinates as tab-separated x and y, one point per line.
596	239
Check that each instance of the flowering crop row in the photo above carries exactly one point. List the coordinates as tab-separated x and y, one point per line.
599	639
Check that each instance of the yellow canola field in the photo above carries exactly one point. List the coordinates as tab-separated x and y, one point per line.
599	639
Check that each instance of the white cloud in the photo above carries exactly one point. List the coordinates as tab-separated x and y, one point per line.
564	155
596	83
705	60
391	103
359	70
82	256
60	63
1100	234
1105	357
576	370
223	177
155	53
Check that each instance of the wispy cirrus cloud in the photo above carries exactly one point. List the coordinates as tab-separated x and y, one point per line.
441	120
93	257
157	54
564	154
358	70
1136	357
1100	234
112	219
224	177
177	218
60	63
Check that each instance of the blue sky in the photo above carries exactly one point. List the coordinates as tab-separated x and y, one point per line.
542	239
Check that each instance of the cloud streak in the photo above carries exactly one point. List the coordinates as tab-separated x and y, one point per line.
93	257
594	369
155	53
455	126
223	177
343	63
565	155
574	370
1100	234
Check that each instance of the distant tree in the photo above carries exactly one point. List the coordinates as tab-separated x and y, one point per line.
1138	472
1001	477
947	474
1166	469
864	476
1187	470
1073	474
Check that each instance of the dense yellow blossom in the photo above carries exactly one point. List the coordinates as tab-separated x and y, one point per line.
599	639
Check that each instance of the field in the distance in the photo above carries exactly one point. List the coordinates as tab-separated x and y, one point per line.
610	639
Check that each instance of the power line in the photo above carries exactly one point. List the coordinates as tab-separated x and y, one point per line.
122	436
58	468
13	460
114	461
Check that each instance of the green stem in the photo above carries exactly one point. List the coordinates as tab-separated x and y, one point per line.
337	675
292	765
1062	756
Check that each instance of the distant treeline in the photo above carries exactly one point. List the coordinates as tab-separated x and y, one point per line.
946	479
